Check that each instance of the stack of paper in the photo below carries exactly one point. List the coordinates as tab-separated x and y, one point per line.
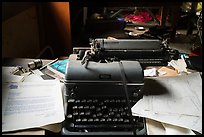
175	100
33	103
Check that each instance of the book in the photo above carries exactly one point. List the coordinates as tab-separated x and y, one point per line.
59	67
54	75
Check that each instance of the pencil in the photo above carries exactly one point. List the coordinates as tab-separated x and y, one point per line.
48	64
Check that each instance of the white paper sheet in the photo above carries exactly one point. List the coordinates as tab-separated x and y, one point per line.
175	130
176	100
150	72
159	128
31	104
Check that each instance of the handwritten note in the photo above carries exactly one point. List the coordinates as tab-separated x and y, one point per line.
31	104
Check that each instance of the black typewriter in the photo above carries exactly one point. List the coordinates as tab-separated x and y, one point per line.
96	102
149	52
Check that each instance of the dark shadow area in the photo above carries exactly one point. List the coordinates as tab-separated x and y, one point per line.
153	87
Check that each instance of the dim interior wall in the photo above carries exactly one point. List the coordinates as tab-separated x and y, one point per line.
20	36
56	27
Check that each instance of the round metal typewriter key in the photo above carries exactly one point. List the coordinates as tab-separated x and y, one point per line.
96	120
92	107
105	115
89	101
134	101
90	120
74	107
115	119
87	113
111	113
71	100
115	110
121	109
117	115
84	120
126	108
103	107
86	107
109	120
123	113
110	109
98	109
101	103
80	107
135	94
112	101
123	101
75	113
77	101
126	120
78	120
69	116
117	101
99	114
120	119
128	114
81	113
106	101
94	116
102	120
95	100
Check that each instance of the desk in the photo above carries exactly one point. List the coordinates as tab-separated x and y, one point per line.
24	62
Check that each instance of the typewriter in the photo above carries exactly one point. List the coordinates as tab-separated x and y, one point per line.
98	98
149	52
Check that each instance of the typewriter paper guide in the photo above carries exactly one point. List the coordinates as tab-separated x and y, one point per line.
103	72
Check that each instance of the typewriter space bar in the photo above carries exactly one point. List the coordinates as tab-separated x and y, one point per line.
103	126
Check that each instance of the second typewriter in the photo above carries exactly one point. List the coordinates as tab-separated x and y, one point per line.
149	52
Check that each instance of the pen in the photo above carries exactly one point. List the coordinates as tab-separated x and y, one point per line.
48	64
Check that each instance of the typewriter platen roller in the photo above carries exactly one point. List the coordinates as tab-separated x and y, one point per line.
149	52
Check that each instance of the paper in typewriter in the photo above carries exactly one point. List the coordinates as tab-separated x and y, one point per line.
175	100
31	104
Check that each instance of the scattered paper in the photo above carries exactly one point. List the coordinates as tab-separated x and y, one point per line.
31	104
175	130
179	65
150	72
154	127
37	72
33	78
7	75
159	128
175	100
27	132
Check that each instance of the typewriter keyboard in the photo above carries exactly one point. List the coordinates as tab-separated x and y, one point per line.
87	115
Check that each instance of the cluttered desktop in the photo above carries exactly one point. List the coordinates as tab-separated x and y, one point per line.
134	85
106	90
